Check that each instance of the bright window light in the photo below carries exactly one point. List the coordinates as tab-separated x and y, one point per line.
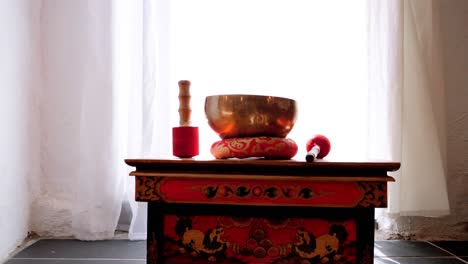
312	51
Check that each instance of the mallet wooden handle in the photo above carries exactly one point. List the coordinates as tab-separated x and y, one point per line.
184	103
313	153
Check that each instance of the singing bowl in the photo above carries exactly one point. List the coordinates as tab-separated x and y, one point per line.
240	115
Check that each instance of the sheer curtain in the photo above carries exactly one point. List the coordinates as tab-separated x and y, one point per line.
406	103
142	60
82	123
110	72
97	107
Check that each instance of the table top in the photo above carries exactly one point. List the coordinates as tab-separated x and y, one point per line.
264	166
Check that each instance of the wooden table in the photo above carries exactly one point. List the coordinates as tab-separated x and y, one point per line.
260	211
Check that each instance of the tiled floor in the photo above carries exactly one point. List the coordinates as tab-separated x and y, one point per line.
421	252
131	252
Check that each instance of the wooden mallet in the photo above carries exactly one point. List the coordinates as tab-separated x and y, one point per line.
184	137
317	148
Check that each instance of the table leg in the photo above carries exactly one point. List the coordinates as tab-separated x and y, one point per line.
365	231
155	235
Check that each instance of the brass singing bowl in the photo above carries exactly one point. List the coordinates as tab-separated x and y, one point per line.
240	115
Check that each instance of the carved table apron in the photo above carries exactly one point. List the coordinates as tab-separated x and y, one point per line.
260	211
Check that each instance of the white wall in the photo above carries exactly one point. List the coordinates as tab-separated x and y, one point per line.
455	32
18	151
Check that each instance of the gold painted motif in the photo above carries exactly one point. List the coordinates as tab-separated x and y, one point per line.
269	147
374	194
238	144
147	189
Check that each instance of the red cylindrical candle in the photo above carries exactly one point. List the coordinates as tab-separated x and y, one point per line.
185	141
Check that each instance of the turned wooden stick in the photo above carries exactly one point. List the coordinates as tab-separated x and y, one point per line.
184	103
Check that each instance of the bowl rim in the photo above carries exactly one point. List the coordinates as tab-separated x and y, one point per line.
250	95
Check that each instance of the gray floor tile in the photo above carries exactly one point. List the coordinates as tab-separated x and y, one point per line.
399	248
459	248
75	261
111	249
56	251
402	260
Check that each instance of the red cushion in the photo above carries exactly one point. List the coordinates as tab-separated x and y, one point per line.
248	147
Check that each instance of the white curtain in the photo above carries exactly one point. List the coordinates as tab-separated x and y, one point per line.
96	109
108	77
406	103
83	122
142	62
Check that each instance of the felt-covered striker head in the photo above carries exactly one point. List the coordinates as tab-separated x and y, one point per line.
322	142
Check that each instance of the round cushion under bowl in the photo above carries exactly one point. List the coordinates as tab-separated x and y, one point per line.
249	147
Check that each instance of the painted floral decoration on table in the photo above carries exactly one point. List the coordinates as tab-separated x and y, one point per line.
226	239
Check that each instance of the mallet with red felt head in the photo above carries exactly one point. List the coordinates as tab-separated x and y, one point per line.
317	147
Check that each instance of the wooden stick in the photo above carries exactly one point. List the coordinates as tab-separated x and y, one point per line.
184	103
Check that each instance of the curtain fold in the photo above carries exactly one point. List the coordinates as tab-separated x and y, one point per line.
84	122
141	53
406	103
103	65
128	54
97	186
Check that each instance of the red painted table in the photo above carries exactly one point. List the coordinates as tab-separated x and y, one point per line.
260	211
